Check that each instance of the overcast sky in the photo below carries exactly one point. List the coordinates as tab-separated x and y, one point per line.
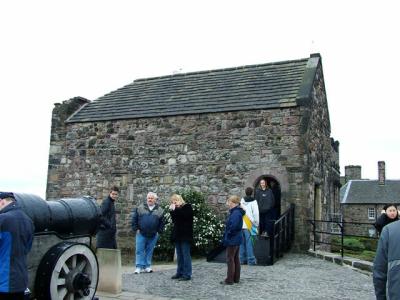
52	51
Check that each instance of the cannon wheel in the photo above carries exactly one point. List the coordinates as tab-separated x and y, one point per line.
67	271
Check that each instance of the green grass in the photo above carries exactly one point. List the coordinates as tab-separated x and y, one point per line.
361	248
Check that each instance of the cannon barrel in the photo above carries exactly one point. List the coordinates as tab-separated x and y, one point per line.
69	216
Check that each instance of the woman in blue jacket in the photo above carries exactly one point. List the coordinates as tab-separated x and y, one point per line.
232	240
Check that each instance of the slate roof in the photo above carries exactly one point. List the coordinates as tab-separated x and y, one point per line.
263	86
370	192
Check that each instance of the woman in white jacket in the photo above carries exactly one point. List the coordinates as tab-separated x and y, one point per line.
249	204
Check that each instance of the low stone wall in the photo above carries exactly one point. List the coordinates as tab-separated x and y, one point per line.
356	263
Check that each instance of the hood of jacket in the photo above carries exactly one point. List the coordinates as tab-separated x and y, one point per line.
11	206
248	198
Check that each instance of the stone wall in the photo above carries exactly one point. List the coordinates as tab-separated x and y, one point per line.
217	154
321	162
358	213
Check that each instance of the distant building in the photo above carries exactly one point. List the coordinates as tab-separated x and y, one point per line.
216	131
362	200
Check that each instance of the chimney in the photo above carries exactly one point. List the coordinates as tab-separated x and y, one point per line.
352	172
381	172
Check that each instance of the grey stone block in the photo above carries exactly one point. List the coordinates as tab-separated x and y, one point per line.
110	271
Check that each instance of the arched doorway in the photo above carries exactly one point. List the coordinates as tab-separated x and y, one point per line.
275	186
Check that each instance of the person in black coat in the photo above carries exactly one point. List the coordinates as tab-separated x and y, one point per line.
390	215
108	228
182	235
16	236
266	207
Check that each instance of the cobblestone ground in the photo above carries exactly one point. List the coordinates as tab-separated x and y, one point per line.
294	276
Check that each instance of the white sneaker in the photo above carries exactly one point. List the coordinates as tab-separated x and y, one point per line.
148	270
137	271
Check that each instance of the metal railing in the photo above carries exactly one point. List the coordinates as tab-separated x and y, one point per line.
283	235
342	225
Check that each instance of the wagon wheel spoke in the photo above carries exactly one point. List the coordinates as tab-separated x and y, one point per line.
61	281
82	265
70	296
65	268
62	292
81	294
73	261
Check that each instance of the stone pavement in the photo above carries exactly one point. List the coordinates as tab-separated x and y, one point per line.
295	276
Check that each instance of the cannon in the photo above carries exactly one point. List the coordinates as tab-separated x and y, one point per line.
61	264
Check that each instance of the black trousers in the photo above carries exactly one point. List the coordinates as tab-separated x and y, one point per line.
267	220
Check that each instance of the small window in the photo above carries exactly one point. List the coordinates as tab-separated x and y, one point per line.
371	213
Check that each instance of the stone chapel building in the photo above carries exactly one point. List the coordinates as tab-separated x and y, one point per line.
215	131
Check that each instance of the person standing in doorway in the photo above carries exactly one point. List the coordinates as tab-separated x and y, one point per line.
108	228
266	202
182	235
232	240
147	223
16	236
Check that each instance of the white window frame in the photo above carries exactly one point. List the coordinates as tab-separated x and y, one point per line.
371	213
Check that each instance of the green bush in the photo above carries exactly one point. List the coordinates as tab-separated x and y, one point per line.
353	244
208	227
369	244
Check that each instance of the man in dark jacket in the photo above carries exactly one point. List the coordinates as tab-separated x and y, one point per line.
147	223
106	235
16	236
386	270
232	240
266	207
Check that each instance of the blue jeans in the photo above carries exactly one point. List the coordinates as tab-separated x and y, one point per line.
246	253
184	268
144	250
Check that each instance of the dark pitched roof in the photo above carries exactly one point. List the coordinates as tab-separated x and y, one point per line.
370	192
263	86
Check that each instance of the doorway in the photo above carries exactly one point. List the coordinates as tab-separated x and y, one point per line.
275	186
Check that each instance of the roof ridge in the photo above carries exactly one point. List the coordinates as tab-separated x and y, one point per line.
365	180
220	70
